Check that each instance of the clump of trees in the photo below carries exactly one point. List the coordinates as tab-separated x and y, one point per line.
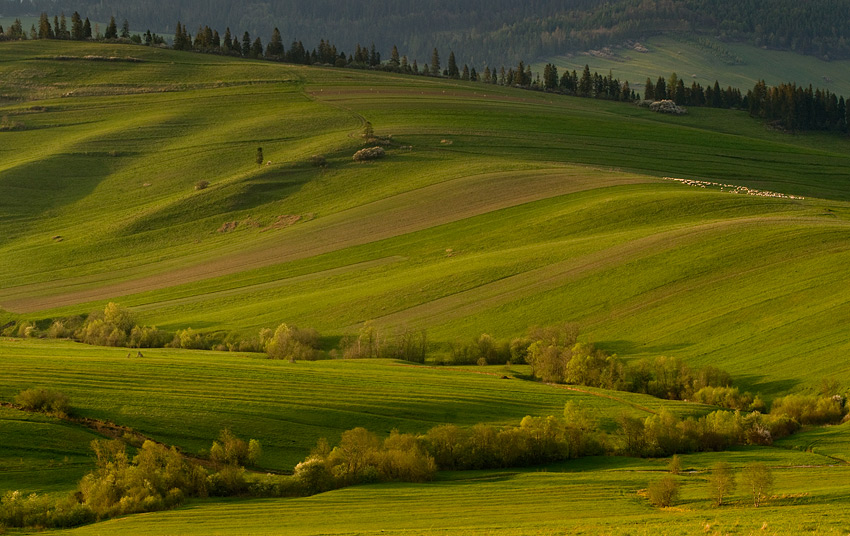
293	343
372	342
362	457
44	400
156	478
537	440
808	409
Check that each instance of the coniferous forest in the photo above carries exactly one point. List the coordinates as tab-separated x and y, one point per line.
495	30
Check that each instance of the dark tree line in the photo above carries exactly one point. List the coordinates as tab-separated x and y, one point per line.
796	108
789	106
493	30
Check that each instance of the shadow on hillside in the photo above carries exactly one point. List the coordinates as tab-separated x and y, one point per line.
30	190
757	384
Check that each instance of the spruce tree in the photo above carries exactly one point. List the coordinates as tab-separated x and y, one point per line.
44	29
87	29
585	85
275	46
77	32
465	73
259	158
649	90
626	93
435	63
125	29
394	59
63	28
452	67
716	96
257	48
228	41
660	89
111	30
246	45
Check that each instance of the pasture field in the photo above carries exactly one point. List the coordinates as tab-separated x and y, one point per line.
588	496
185	398
496	209
705	59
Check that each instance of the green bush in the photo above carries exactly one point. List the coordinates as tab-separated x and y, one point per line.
663	492
44	400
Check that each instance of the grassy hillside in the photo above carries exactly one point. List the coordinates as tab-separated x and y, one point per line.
495	209
705	59
186	397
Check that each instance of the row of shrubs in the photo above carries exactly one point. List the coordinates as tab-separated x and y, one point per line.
158	477
116	326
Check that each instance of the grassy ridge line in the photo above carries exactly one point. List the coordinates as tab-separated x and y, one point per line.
185	397
403	213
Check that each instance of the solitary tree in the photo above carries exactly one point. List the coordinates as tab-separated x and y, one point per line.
721	482
758	479
259	156
663	492
453	70
435	62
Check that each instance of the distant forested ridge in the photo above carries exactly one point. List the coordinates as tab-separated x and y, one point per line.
491	30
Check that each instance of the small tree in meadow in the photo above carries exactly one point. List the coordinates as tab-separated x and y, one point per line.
260	158
663	492
721	482
758	479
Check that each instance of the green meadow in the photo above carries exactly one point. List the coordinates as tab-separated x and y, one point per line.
704	59
185	398
590	496
494	210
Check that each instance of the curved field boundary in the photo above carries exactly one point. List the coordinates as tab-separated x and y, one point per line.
404	213
553	385
502	291
273	284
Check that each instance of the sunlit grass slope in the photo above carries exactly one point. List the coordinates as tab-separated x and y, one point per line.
590	496
495	209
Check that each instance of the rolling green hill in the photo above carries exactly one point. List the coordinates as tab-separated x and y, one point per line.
494	210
